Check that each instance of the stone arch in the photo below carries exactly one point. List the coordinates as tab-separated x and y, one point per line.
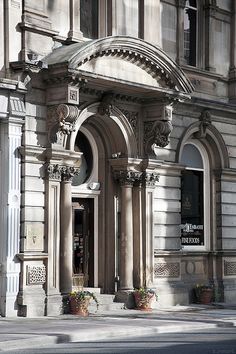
115	128
210	138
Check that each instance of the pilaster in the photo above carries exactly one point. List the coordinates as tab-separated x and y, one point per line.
74	34
210	11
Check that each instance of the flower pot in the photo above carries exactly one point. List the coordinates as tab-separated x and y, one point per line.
206	296
79	308
143	302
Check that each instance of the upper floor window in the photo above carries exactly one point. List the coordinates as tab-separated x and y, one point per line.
89	18
190	32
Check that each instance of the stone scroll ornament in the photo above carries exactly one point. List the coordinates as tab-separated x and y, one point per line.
60	121
61	172
157	133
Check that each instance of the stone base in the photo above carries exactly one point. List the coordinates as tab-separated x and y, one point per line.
54	305
126	297
171	294
31	304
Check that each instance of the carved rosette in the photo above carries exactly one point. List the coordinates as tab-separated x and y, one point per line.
61	173
60	121
157	133
150	179
127	178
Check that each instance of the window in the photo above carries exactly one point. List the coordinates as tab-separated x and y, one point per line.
190	32
83	145
195	190
89	18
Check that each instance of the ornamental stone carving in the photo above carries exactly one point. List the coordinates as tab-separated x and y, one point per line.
205	121
150	179
60	121
36	275
156	133
64	173
105	107
167	270
229	268
127	178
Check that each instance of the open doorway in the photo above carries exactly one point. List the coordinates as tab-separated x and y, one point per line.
83	242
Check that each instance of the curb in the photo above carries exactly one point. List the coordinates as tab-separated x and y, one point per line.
35	341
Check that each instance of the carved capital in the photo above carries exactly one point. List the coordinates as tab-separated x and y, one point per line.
127	178
150	179
61	173
60	121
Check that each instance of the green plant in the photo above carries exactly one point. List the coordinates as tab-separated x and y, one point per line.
144	295
82	298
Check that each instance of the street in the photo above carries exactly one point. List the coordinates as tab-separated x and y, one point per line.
212	341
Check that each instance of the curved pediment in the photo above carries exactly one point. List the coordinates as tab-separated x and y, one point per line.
124	58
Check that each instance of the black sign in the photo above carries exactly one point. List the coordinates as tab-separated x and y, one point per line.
192	235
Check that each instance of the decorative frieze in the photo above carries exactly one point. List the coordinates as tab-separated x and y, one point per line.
59	172
36	275
60	121
167	270
229	268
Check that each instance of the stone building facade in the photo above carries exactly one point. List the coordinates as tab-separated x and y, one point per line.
117	149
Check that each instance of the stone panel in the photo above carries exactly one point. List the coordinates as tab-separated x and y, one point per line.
163	218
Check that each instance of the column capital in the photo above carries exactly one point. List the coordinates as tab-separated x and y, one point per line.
150	179
61	172
127	177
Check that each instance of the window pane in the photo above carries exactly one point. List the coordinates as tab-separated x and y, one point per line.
89	18
192	233
191	157
190	31
82	145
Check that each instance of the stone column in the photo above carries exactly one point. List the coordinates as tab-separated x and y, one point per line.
232	71
66	230
126	179
150	180
138	235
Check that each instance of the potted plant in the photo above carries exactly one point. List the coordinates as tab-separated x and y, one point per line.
143	298
204	293
79	302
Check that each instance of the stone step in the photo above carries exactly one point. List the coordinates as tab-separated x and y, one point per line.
106	302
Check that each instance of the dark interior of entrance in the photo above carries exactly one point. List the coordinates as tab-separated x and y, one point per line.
83	242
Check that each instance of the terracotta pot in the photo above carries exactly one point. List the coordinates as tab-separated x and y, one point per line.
206	296
79	308
143	303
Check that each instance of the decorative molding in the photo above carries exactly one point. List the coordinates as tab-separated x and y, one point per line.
61	173
229	268
60	121
127	178
36	275
167	270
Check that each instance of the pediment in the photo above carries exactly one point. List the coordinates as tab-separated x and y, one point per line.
126	59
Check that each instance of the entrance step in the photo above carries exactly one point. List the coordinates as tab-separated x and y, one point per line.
106	303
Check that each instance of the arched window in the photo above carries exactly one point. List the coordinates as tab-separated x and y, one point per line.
190	32
195	197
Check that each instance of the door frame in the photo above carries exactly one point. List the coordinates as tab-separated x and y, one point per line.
94	195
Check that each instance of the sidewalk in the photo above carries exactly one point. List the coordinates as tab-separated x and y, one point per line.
28	333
